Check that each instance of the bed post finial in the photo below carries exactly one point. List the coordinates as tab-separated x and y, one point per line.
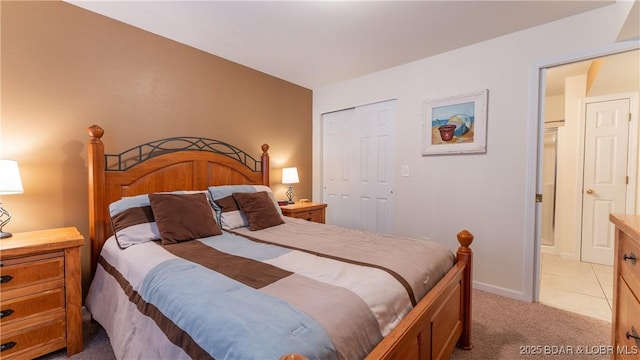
97	208
265	164
465	238
95	132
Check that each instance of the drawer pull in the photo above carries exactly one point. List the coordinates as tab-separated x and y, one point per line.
7	346
5	313
631	257
5	279
633	334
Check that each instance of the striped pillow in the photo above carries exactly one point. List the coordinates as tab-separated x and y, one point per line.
229	214
133	222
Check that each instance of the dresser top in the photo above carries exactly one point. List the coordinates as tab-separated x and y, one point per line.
309	205
630	224
42	240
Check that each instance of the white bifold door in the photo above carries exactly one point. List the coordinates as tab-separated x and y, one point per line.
358	166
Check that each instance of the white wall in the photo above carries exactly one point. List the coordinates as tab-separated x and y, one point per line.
567	221
554	108
488	194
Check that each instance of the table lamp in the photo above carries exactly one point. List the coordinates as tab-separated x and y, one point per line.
290	176
10	183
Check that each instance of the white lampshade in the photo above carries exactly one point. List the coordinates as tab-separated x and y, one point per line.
10	181
290	175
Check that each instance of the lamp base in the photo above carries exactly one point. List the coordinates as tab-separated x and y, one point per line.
5	217
290	195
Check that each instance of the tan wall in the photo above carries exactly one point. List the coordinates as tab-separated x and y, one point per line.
65	68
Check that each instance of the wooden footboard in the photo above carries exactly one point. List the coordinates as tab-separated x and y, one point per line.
440	320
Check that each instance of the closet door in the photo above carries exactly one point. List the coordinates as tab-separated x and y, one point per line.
358	167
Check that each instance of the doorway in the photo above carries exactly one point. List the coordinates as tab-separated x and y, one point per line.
566	280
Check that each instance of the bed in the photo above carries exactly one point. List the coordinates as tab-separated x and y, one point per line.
283	287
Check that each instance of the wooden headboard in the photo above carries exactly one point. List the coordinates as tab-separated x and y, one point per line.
184	163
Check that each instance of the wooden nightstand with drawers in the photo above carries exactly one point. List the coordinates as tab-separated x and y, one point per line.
40	293
309	211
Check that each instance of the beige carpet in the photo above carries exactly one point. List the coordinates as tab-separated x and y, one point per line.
502	329
509	329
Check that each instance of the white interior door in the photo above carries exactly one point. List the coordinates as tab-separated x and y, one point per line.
337	171
358	167
605	176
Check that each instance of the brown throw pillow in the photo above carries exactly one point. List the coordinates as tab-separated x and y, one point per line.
183	217
259	210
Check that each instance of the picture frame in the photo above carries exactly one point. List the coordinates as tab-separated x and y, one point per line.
456	124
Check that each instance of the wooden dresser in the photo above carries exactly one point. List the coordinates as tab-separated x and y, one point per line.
40	293
625	333
309	211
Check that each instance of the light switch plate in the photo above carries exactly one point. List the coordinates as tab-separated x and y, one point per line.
405	170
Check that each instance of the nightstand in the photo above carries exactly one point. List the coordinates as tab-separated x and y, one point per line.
309	211
40	293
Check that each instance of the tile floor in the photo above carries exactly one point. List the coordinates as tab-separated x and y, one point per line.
577	286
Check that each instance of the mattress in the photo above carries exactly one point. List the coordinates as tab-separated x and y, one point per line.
322	291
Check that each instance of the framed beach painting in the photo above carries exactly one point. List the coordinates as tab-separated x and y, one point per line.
456	124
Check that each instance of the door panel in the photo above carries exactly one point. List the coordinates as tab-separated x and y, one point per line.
605	174
337	128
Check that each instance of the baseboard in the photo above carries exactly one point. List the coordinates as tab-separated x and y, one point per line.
501	291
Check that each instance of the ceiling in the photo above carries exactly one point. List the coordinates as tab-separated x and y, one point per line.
621	71
317	43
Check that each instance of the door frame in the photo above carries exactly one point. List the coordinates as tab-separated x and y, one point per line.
535	144
632	157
